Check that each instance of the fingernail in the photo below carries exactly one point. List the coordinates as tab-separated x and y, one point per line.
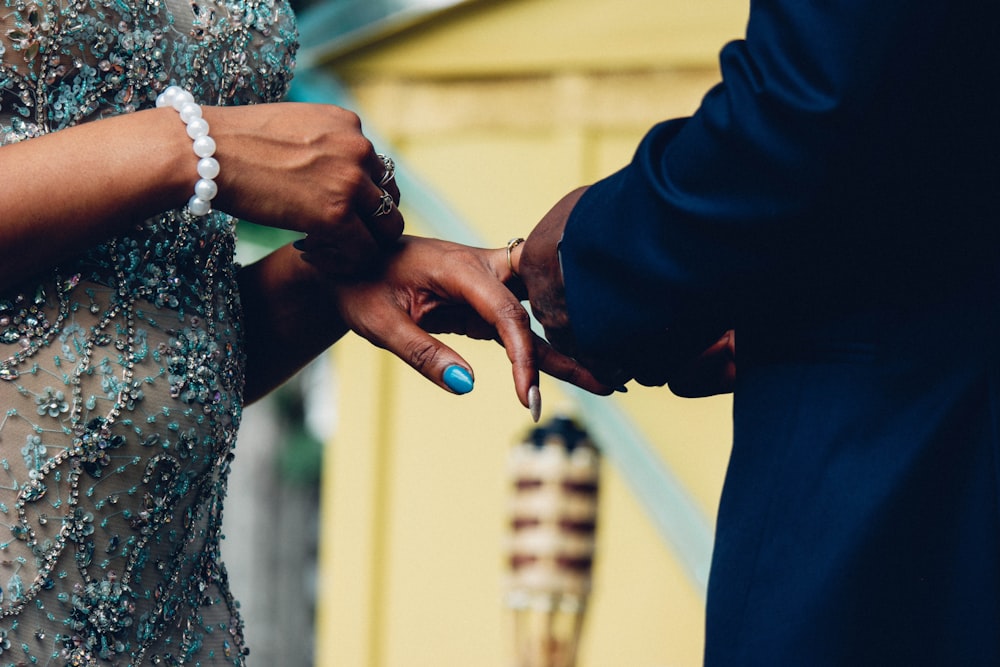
299	245
535	402
622	389
458	379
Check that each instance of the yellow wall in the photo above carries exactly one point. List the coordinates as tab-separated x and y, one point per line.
503	107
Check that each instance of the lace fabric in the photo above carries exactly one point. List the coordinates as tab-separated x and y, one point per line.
121	372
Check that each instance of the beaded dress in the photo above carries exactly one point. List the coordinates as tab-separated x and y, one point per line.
121	372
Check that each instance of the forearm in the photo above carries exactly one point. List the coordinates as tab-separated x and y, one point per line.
288	319
305	167
74	188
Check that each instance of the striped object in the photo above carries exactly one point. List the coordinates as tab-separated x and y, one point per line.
554	477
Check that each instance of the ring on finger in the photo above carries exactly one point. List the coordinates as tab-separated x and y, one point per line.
390	168
513	243
385	204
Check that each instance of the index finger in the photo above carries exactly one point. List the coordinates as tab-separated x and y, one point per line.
499	308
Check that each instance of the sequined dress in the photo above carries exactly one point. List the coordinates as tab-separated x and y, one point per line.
121	372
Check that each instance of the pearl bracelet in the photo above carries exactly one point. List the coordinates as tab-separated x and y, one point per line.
204	147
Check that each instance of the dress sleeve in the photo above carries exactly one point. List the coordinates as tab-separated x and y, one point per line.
715	209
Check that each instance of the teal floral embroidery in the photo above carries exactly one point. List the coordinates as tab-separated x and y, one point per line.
193	365
52	402
121	375
101	618
79	525
96	445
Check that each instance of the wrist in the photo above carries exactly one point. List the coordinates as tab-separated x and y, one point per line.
221	122
288	316
203	146
169	169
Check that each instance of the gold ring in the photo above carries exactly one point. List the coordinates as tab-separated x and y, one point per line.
513	243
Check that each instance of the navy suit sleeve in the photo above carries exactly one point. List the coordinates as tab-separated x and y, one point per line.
715	209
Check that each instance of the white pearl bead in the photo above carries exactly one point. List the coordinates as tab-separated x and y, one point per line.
166	98
198	206
198	127
181	98
189	112
204	146
206	189
208	167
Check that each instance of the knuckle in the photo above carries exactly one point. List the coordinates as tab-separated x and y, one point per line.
357	147
575	374
354	178
346	116
337	208
515	313
420	354
363	146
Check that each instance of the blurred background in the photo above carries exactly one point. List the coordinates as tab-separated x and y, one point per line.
369	515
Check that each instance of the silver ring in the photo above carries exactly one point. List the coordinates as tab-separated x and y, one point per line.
385	205
390	168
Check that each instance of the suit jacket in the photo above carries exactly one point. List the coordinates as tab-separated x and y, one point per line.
835	199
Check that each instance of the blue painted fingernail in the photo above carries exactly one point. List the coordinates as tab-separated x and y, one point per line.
299	244
458	379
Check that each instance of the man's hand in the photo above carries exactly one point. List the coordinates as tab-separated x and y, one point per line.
536	262
711	372
680	361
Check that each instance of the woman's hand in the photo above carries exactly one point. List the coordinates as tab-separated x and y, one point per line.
308	168
304	167
430	286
